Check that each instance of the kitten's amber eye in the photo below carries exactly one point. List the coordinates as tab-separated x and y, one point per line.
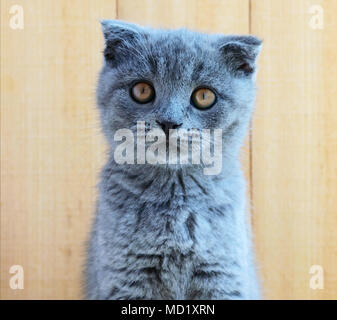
142	92
203	98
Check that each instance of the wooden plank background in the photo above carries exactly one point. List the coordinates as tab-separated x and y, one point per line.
52	149
294	148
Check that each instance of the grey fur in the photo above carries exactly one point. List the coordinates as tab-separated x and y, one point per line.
171	232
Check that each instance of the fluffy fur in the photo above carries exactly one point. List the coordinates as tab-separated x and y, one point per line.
164	231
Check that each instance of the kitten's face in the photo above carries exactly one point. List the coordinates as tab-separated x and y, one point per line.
176	79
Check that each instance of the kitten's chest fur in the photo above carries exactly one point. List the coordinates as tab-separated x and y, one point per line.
184	242
170	230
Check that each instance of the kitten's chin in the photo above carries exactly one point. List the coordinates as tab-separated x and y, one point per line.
167	158
172	157
171	168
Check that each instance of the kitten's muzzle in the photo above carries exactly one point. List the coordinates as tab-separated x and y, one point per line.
167	125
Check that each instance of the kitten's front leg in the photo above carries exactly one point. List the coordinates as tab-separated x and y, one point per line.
120	281
132	284
211	283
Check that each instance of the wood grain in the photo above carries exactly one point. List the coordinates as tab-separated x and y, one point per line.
51	148
222	16
294	148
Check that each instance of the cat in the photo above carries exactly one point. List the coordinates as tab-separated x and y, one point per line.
171	231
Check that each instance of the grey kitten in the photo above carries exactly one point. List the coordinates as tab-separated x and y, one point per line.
170	231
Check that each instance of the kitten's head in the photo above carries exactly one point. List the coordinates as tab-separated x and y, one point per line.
176	79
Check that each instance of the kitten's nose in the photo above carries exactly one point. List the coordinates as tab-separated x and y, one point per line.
167	125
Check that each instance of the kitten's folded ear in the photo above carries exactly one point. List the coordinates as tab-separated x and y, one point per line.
121	38
240	53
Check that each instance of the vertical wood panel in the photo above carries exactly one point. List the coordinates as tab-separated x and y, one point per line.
294	148
223	16
51	147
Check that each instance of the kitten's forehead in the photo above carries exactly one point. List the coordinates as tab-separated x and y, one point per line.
180	55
